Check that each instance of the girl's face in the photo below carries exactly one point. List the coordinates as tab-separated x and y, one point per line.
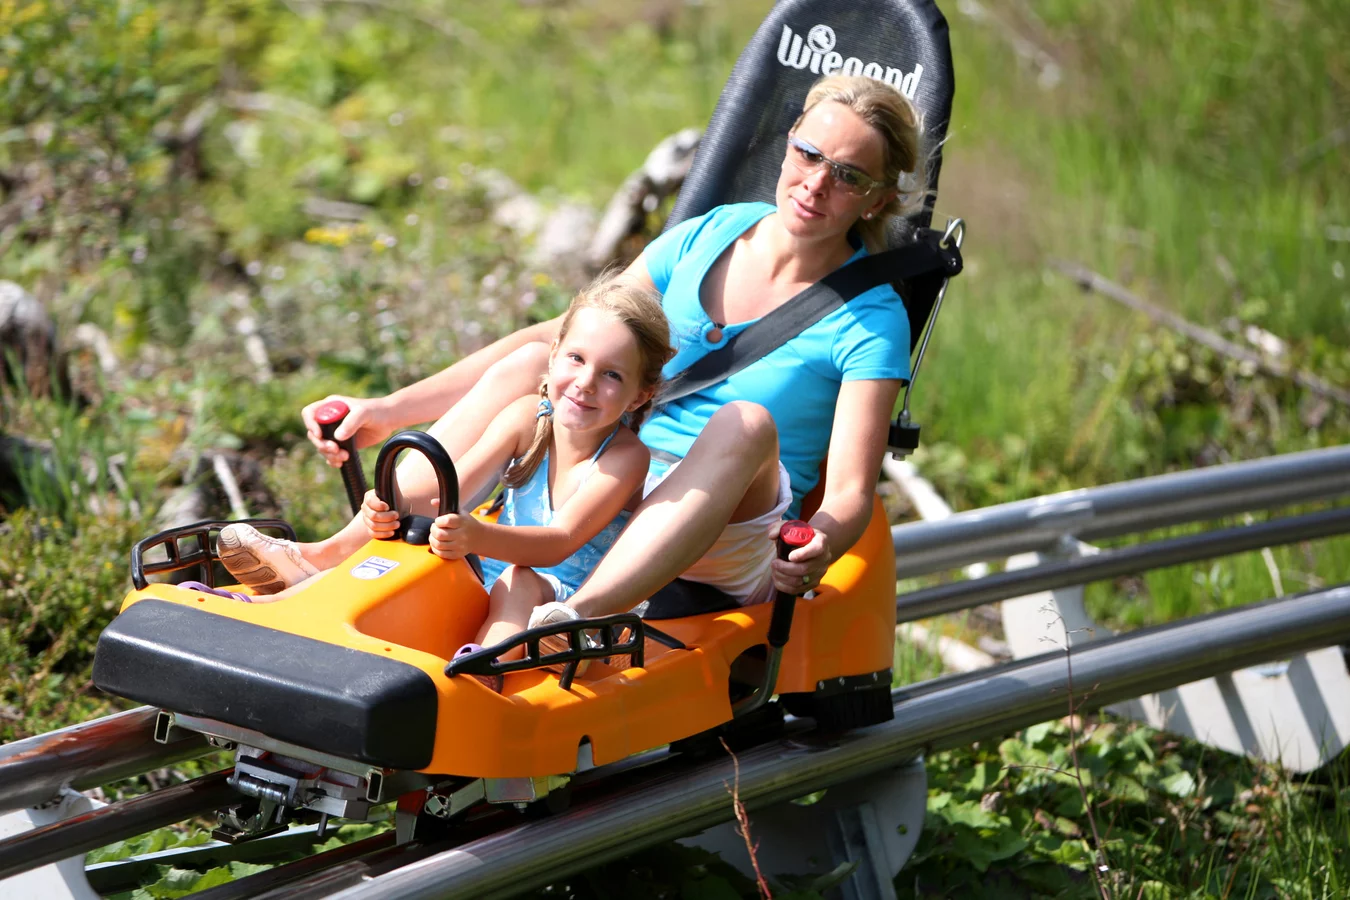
594	373
811	204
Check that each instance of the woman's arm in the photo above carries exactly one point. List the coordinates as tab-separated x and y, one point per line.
433	395
372	420
427	399
857	442
619	473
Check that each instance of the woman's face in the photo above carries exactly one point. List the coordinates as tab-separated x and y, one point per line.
814	204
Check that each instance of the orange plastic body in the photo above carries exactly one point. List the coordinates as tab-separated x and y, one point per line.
420	610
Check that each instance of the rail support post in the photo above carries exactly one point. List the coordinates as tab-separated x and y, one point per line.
872	822
1295	712
62	880
1047	620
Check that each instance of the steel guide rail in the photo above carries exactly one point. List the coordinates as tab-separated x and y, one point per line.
333	871
34	770
114	822
1123	508
947	713
957	595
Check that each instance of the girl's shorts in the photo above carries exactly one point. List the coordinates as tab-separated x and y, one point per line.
494	569
739	561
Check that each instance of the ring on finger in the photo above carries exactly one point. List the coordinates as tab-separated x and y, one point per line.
806	579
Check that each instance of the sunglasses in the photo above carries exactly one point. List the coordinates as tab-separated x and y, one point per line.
810	160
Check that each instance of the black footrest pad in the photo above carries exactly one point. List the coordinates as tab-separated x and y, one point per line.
346	702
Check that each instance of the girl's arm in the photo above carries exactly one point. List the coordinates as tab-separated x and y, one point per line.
862	419
507	436
618	474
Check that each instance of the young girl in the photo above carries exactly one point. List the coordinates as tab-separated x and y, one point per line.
572	461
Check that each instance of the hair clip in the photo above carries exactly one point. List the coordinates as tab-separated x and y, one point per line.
545	409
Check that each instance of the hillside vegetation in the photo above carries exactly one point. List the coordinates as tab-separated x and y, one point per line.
258	203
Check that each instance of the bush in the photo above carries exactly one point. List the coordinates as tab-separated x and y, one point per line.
63	582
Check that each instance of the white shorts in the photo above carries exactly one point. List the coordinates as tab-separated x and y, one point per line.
738	563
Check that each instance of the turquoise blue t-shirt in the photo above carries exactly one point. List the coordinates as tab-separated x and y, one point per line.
532	504
798	383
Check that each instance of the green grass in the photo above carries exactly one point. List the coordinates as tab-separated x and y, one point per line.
1177	592
1007	819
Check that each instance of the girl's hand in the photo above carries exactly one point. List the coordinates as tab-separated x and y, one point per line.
365	419
381	522
453	535
805	566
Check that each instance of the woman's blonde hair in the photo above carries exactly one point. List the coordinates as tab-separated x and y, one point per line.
893	117
639	309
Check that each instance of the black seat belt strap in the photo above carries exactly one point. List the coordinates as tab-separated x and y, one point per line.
781	325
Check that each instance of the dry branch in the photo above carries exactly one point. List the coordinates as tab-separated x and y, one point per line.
27	341
1089	280
231	486
660	176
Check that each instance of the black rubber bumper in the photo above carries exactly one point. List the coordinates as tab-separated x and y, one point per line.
346	702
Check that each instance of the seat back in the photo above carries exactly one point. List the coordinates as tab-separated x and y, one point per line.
903	42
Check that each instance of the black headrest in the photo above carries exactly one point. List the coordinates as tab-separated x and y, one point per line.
903	42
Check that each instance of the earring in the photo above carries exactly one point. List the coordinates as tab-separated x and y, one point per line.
867	215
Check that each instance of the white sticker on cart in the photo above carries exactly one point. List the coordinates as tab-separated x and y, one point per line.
372	567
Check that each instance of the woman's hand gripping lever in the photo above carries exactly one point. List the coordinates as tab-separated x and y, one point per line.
329	416
791	536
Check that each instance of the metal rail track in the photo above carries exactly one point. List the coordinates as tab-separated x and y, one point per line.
114	822
1126	507
959	595
669	800
34	770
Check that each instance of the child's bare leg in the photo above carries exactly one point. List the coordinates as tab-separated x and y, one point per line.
290	591
517	592
514	376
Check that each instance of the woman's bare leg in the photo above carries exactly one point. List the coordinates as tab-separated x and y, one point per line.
513	598
512	377
729	475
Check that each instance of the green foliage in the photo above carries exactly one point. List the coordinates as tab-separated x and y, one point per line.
62	581
1176	820
151	842
87	459
160	170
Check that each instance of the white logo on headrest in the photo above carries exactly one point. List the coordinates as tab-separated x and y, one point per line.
818	54
821	39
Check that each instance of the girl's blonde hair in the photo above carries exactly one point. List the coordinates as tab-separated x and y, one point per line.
893	117
639	309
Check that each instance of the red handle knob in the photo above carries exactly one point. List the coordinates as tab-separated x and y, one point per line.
328	417
792	535
331	413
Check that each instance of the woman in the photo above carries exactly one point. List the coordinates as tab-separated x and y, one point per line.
826	394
